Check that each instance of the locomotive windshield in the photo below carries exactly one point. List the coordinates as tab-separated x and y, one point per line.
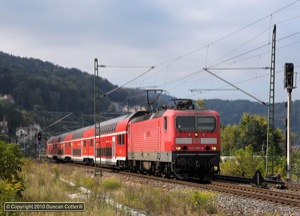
195	123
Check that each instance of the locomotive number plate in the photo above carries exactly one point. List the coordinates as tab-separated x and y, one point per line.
196	141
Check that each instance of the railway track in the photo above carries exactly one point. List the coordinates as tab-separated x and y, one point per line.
259	193
289	186
274	196
255	180
293	186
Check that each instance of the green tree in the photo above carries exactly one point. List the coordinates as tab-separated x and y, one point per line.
244	164
229	138
11	182
201	104
296	163
253	130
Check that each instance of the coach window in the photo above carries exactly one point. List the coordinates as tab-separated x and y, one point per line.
165	123
121	139
84	143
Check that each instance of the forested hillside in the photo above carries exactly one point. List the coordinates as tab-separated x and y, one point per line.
34	83
40	89
231	112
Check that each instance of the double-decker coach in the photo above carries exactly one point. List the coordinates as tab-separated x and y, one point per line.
78	145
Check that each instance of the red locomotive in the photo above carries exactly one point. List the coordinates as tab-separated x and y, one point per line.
177	142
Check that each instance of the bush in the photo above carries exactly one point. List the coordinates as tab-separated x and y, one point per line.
11	182
111	184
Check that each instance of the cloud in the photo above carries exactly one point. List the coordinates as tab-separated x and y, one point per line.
180	38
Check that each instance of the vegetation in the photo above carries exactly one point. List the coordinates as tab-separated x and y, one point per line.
11	181
232	111
42	90
106	191
296	164
251	130
244	164
247	142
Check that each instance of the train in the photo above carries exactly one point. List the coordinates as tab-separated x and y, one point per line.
177	141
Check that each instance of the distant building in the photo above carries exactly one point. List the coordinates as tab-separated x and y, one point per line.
3	126
115	107
8	98
133	109
27	133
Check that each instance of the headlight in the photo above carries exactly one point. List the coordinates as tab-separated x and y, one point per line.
178	148
214	148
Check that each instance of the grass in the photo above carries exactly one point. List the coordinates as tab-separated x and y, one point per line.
43	184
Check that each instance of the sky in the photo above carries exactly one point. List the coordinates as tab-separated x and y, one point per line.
208	49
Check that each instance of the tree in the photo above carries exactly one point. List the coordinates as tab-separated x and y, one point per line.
10	167
201	104
253	131
229	137
296	163
244	164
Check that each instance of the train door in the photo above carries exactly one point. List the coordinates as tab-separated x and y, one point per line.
71	149
81	147
113	152
91	148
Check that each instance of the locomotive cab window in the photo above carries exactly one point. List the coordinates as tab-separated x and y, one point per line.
185	123
165	124
206	123
195	123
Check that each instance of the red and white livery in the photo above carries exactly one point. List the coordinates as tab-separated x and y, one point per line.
177	142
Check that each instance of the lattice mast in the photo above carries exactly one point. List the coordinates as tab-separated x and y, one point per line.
271	109
97	170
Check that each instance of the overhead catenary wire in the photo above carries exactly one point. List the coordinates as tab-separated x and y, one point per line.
205	69
123	66
212	89
117	88
256	77
254	56
228	35
242	45
185	77
264	53
244	68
